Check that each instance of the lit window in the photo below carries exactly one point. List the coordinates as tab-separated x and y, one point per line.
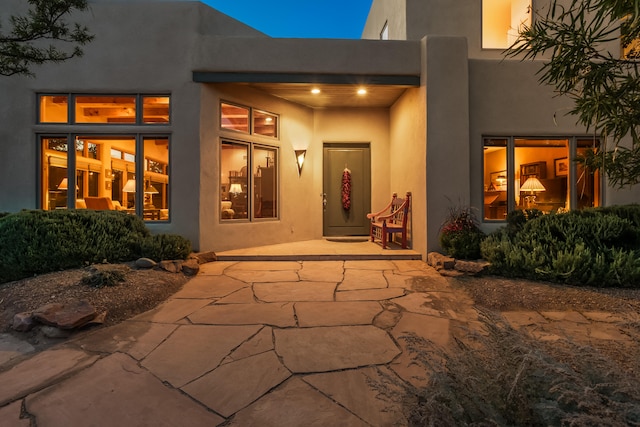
265	124
54	109
105	109
105	175
234	117
542	178
248	177
155	109
502	20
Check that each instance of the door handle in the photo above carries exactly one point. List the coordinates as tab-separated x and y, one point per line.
324	200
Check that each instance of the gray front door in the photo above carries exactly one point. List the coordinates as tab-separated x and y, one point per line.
339	221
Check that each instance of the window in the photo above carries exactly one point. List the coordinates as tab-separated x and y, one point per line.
234	117
384	34
502	20
104	176
104	109
248	177
239	118
542	176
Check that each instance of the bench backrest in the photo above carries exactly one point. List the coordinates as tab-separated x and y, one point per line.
400	209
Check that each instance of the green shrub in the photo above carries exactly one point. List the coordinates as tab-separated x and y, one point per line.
99	277
460	236
35	242
595	247
165	246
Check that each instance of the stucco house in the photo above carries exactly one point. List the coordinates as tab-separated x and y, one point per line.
195	121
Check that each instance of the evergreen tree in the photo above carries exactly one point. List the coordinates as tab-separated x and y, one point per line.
42	35
574	38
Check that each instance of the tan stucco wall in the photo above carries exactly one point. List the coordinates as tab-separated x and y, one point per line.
300	196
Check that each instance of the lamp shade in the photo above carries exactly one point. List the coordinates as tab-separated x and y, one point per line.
300	155
130	186
532	184
235	189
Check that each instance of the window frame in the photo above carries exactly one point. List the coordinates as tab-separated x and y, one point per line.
71	109
572	182
252	111
251	184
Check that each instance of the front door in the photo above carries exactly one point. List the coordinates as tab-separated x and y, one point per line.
340	220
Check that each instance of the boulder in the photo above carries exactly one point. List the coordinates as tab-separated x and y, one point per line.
171	266
190	267
205	257
66	316
145	263
440	262
23	322
471	267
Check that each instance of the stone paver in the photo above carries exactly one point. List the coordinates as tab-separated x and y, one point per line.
268	344
327	271
243	382
296	404
308	350
336	313
275	314
208	346
116	392
137	339
210	287
12	347
359	391
362	279
294	291
40	371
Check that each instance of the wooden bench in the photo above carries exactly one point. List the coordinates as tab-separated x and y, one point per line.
394	221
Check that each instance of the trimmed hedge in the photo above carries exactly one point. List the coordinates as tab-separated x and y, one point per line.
35	242
594	247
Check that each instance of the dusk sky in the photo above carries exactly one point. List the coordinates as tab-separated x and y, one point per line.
337	19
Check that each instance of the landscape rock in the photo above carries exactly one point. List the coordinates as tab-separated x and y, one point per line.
145	263
440	262
205	257
171	266
191	267
471	267
53	332
66	316
23	322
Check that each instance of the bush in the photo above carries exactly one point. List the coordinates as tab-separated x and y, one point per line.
165	246
101	276
596	247
35	242
460	236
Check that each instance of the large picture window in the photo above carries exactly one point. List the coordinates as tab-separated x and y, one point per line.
248	177
502	20
537	173
100	173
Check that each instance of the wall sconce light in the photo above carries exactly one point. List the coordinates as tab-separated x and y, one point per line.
300	155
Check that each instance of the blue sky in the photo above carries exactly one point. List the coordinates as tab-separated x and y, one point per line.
337	19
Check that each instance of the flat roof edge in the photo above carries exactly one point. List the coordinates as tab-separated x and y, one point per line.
241	77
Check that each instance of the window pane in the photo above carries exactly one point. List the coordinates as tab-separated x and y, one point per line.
123	178
542	173
54	173
234	117
54	109
265	124
264	182
105	109
501	21
156	177
495	179
588	189
155	109
234	181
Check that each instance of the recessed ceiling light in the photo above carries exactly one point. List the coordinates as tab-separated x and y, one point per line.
315	91
362	91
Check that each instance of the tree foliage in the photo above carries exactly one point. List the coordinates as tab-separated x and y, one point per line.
42	35
605	89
